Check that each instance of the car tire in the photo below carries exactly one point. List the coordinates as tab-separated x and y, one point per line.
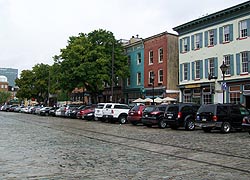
190	126
162	124
207	129
122	119
226	127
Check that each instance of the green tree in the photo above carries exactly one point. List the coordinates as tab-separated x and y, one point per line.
86	61
34	83
4	96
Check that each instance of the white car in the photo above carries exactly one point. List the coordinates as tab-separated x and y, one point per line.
98	111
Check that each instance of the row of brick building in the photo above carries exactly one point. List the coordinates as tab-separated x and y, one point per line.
187	66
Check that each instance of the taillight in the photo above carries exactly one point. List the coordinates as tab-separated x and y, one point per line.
139	112
179	114
112	111
215	118
244	120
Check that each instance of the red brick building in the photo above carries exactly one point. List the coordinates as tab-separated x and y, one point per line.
161	59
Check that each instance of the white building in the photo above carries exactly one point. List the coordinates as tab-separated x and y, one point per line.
204	45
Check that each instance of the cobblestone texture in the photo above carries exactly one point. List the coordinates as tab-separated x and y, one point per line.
35	147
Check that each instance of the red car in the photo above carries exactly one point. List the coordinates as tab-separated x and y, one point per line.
86	113
135	114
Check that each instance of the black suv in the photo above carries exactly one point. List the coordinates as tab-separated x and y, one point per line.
153	115
181	115
221	116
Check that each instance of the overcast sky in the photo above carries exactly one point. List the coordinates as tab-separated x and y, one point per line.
33	31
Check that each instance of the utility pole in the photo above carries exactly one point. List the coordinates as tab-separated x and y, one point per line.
112	72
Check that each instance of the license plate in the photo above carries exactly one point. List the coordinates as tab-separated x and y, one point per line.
204	119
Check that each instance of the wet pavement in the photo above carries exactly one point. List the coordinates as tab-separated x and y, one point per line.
39	147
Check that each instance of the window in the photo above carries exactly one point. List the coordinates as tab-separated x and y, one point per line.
244	62
226	59
138	78
160	75
138	58
226	34
197	69
197	39
129	60
128	81
211	37
160	55
211	66
234	94
185	70
151	60
150	81
185	45
243	28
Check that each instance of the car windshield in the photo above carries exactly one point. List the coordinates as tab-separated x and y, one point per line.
100	106
149	109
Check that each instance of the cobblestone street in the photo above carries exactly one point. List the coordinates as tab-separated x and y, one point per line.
40	147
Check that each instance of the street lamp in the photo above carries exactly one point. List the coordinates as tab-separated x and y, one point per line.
153	83
223	69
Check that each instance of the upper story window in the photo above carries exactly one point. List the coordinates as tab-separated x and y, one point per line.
160	75
185	71
197	69
227	61
151	59
226	33
197	39
245	62
160	55
243	28
185	44
129	60
138	78
138	58
150	77
211	37
211	67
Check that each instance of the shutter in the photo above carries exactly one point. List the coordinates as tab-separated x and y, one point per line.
206	38
248	60
239	29
188	71
248	27
206	68
238	63
216	67
231	65
201	69
193	71
192	42
180	45
215	36
181	75
221	35
188	43
201	40
231	32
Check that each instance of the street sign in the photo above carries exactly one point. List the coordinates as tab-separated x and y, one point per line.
223	86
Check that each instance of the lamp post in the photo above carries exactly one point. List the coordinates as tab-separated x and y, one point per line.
112	73
223	68
153	83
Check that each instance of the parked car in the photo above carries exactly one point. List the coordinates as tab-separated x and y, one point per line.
52	111
224	117
74	112
116	112
181	115
246	124
135	114
99	111
88	114
12	107
153	115
69	109
44	111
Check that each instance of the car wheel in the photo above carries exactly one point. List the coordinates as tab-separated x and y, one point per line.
207	129
226	127
162	124
122	119
190	126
